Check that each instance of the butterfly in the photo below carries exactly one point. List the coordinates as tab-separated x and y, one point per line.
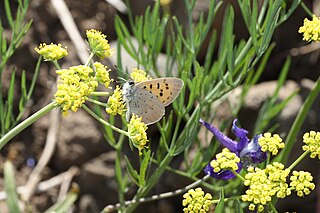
148	99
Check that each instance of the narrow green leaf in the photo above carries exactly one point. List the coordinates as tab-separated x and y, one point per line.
143	168
245	8
220	206
253	25
23	98
8	13
124	37
229	38
292	8
210	51
118	172
9	113
64	205
132	172
270	24
10	187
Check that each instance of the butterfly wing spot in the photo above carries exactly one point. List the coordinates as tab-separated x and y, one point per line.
144	87
161	94
158	85
150	86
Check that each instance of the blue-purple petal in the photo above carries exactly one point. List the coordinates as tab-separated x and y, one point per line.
252	153
222	175
241	134
224	140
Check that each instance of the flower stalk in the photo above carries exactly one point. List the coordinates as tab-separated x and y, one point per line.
24	124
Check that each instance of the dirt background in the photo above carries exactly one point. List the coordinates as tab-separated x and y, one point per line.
80	143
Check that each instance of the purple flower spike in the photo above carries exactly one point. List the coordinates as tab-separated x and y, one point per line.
248	152
224	140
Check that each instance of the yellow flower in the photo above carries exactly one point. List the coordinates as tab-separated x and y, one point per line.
99	44
312	141
196	201
265	183
102	74
225	160
74	85
51	52
165	2
311	29
137	133
139	75
116	103
301	182
271	143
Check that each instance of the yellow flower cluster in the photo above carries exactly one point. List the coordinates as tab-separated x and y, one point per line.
271	143
265	183
51	52
139	75
74	85
116	103
99	44
311	29
301	182
225	160
137	133
312	141
102	74
196	201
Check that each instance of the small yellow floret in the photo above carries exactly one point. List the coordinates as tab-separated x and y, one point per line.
301	182
271	143
102	74
138	75
99	44
137	133
196	201
264	184
226	160
116	103
311	29
312	141
52	52
74	86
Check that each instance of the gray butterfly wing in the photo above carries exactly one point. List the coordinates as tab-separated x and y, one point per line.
146	105
165	89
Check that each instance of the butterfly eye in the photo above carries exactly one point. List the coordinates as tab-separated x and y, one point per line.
131	83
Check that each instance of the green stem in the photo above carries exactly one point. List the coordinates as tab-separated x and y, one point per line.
89	59
97	102
298	160
55	62
104	122
303	112
227	199
238	175
100	93
24	124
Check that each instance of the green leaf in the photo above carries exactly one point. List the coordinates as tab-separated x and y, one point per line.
9	113
220	206
270	22
64	205
10	187
253	25
132	172
8	13
124	37
143	168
